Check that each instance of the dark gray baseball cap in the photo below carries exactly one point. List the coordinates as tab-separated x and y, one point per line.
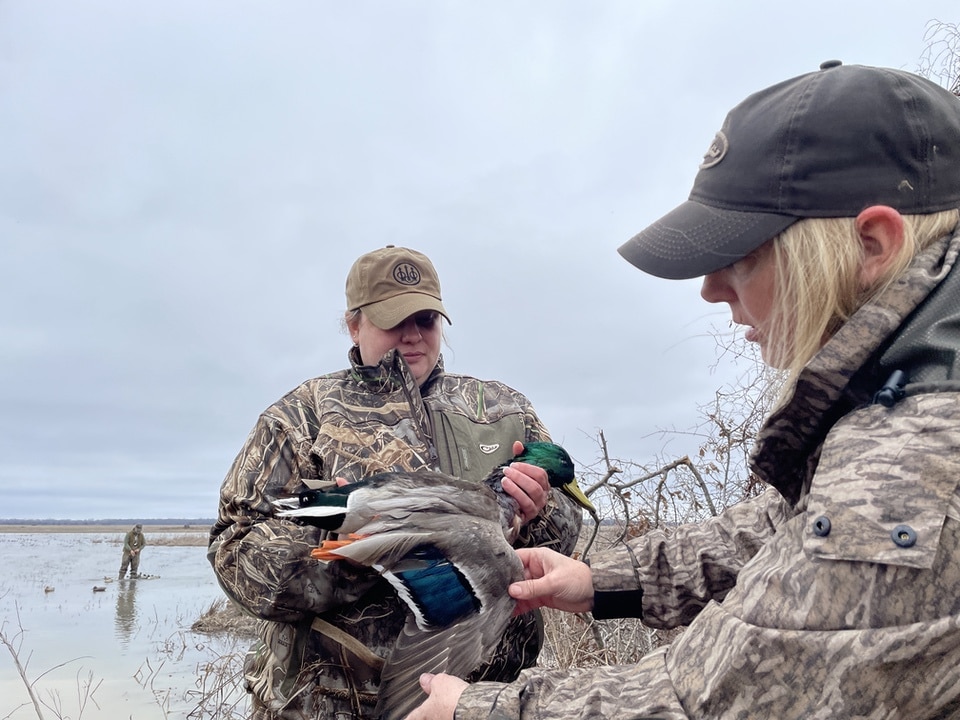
825	144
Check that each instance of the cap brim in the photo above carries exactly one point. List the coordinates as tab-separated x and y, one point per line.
391	312
696	239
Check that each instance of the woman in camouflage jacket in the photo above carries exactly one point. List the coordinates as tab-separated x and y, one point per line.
836	594
326	627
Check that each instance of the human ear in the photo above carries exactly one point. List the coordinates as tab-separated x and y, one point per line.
880	229
352	321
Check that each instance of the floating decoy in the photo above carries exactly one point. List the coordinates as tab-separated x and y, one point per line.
99	588
444	544
48	588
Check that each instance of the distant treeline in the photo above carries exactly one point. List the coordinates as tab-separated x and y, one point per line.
110	521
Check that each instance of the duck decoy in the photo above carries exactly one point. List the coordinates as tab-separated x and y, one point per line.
444	544
99	588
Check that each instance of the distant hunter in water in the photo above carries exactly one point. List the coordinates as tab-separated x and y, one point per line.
133	543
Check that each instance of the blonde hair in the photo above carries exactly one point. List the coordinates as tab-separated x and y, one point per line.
818	264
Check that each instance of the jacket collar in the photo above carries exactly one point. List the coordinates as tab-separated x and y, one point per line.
926	348
390	374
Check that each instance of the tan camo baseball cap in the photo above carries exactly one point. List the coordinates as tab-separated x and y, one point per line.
393	283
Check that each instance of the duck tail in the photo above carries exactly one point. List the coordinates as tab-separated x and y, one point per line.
328	548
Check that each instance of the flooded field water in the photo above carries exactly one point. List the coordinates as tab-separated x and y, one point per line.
125	651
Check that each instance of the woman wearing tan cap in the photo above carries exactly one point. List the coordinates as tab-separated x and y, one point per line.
326	627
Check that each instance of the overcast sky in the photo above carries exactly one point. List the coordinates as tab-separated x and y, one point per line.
184	186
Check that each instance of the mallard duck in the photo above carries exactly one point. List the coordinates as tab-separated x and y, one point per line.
444	544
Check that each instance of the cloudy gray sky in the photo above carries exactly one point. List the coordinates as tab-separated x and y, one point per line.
184	185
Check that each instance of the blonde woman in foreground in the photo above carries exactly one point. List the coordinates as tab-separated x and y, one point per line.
825	215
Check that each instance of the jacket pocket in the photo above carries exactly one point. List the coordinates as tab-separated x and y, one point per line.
470	450
884	483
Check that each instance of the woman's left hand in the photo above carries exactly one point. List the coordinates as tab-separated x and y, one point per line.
444	692
527	484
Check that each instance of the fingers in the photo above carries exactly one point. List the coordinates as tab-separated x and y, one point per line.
536	590
425	680
443	693
529	594
532	562
552	580
529	486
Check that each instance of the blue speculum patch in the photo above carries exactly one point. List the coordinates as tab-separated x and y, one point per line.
438	587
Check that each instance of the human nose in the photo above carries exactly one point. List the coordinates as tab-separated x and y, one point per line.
715	288
410	331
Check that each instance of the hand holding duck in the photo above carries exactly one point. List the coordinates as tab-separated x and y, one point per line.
443	693
526	483
552	580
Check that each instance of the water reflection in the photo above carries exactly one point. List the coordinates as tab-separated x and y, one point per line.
126	619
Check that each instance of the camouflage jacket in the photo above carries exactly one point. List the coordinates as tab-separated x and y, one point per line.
133	540
836	594
351	424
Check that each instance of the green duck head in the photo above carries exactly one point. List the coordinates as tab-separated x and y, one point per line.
560	469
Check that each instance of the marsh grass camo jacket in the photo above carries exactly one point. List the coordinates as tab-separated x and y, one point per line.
836	594
325	626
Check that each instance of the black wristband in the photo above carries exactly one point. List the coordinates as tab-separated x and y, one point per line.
608	605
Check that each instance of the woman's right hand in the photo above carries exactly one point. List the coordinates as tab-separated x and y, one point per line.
552	580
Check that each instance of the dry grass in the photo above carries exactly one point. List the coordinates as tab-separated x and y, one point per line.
220	691
179	540
224	616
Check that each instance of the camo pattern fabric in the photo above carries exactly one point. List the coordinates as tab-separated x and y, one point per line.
352	424
836	594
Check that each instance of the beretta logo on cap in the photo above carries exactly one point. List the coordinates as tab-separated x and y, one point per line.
406	273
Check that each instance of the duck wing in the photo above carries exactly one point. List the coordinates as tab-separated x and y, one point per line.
456	590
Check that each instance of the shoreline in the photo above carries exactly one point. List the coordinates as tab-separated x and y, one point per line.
23	528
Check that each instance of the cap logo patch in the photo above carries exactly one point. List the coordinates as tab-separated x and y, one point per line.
716	152
406	274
